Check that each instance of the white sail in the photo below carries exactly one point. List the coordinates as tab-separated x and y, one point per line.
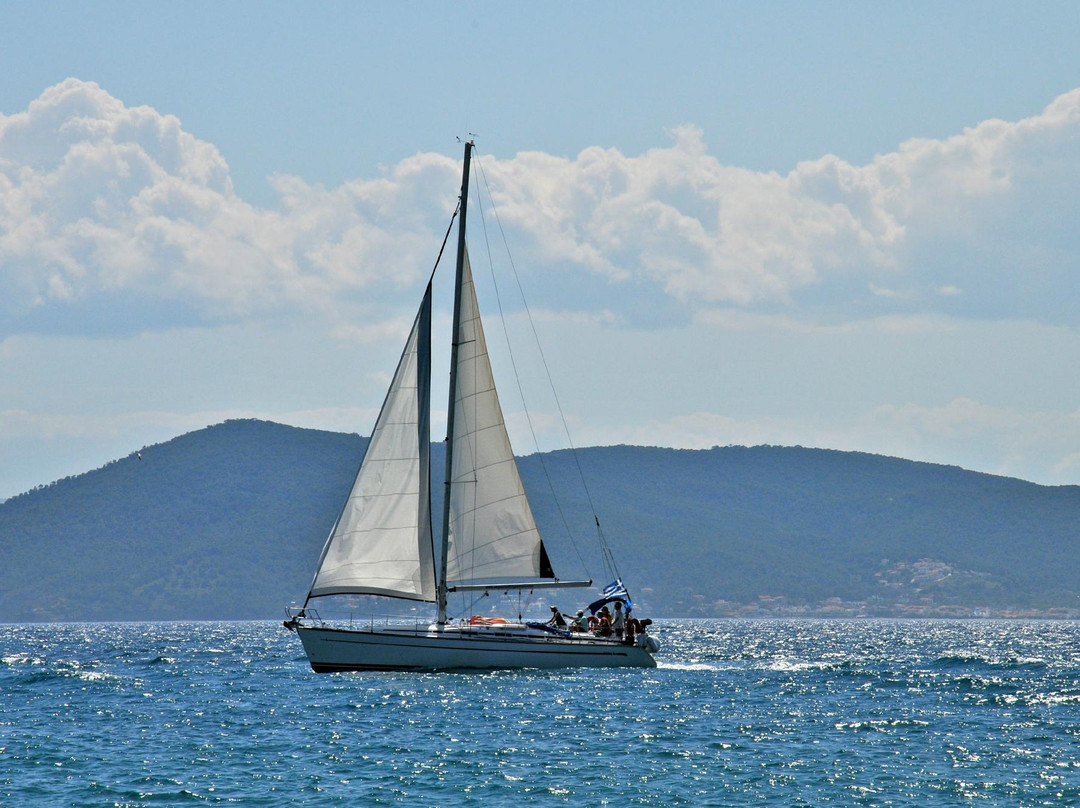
492	531
381	544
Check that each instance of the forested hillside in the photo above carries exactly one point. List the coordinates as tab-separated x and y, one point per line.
227	522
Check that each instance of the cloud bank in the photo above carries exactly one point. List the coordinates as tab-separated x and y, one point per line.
105	207
910	306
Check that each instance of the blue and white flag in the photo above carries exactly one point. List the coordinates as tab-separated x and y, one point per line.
616	590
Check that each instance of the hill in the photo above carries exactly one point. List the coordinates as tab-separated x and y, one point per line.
227	523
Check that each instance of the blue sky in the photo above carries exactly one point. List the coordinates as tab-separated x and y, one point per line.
846	225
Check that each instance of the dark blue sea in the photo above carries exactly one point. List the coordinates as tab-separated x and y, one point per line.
754	713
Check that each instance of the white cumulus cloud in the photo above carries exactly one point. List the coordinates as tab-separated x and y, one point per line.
100	201
105	208
985	211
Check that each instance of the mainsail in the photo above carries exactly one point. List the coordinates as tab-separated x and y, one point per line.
381	543
492	532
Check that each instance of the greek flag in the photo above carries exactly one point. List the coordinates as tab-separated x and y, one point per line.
616	590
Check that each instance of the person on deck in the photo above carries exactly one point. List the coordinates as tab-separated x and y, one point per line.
618	621
633	628
557	620
603	628
579	624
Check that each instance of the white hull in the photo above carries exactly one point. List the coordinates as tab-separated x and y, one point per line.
479	647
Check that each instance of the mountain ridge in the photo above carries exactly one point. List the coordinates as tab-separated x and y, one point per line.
227	522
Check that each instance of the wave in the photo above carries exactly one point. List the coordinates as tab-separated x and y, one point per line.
17	660
39	670
985	685
692	666
850	665
881	724
954	661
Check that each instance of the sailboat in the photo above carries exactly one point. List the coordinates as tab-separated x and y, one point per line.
382	542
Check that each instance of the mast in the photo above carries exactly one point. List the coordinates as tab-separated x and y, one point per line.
460	268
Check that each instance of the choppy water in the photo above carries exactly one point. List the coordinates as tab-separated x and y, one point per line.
776	713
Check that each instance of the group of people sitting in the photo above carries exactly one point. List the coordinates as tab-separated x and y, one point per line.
605	623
